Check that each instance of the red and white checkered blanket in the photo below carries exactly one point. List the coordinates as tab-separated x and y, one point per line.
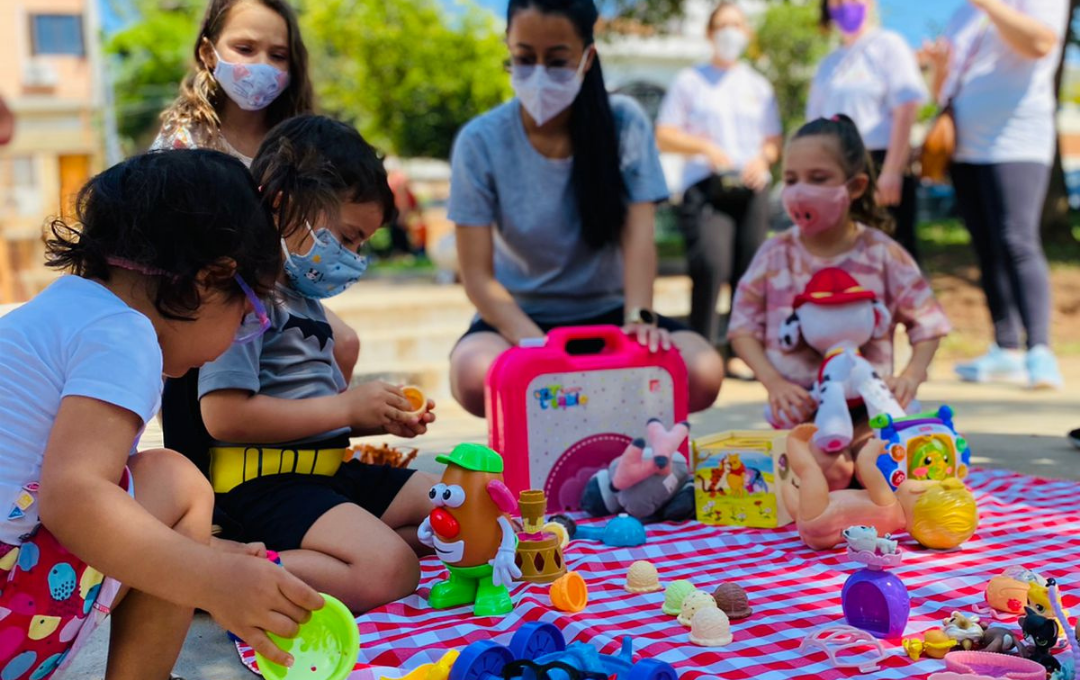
793	591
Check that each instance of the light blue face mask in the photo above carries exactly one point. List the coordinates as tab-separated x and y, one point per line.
326	270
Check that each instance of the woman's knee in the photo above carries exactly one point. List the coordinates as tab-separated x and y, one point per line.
704	368
469	366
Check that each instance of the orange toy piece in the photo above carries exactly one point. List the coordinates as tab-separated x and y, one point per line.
570	593
471	532
417	401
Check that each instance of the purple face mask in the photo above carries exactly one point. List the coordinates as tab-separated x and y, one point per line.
849	16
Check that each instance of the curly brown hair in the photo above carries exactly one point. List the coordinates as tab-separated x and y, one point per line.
201	99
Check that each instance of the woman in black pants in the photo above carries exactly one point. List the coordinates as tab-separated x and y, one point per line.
998	68
724	117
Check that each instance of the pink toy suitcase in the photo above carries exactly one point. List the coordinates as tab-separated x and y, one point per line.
557	415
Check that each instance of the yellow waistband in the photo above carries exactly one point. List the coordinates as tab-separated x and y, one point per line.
231	466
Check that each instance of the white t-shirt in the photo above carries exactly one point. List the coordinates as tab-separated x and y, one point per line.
74	339
1004	102
866	82
736	108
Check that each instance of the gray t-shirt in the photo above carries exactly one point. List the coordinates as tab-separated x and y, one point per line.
294	359
500	179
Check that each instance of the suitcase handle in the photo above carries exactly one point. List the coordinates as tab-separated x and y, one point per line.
614	338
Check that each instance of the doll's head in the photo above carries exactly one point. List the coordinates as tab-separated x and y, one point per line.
944	516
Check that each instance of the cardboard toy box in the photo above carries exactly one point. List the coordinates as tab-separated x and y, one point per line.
737	477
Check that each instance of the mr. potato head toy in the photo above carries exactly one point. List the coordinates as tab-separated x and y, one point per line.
471	533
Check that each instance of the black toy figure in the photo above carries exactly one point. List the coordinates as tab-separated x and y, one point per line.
1041	635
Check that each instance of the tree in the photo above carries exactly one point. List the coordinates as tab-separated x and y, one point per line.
407	73
788	49
148	59
1056	222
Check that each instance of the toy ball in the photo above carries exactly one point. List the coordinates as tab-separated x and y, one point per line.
325	648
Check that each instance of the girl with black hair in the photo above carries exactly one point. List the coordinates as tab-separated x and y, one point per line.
829	193
166	263
278	412
554	199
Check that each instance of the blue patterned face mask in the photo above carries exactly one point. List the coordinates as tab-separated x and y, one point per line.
252	86
324	271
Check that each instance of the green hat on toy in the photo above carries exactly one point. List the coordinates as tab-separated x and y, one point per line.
475	457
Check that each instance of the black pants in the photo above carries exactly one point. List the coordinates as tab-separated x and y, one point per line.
723	227
1001	205
905	213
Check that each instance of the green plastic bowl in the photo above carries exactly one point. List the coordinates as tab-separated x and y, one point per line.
326	647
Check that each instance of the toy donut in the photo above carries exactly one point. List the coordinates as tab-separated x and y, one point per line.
570	593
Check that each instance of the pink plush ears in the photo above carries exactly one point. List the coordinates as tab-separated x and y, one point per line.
502	496
790	332
666	442
882	320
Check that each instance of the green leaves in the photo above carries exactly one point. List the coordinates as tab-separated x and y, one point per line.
789	47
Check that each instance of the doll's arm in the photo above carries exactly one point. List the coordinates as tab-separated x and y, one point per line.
871	477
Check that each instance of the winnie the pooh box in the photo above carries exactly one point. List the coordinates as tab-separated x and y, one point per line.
559	411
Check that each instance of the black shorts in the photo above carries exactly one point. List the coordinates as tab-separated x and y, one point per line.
612	318
278	510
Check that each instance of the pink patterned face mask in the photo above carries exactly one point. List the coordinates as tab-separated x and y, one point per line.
815	208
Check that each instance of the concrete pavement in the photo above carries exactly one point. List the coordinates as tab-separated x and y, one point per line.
1008	427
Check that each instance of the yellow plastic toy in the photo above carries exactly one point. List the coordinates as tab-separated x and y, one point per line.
936	644
440	670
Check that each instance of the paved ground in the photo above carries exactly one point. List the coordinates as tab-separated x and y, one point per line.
1008	427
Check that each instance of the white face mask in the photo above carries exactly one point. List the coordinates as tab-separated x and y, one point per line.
730	43
546	92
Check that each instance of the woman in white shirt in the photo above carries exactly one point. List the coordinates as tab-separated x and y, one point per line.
724	117
873	77
997	66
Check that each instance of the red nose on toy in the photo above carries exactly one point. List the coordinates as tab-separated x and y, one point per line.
444	524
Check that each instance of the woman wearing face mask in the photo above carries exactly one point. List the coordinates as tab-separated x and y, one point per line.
874	78
554	199
829	194
724	118
997	67
250	73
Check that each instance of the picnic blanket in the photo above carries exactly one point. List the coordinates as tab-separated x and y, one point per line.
793	591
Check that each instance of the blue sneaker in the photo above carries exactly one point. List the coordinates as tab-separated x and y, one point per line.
1042	369
997	365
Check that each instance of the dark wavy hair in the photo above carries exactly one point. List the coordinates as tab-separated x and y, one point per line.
854	159
309	165
181	213
603	200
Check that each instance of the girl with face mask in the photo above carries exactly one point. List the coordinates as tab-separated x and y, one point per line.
829	194
724	119
554	197
874	77
281	404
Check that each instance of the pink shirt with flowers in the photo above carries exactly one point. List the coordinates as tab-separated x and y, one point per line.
782	268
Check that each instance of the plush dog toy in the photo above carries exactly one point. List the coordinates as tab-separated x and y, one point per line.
650	480
836	316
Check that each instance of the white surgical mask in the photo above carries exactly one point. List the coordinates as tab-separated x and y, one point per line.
546	92
730	43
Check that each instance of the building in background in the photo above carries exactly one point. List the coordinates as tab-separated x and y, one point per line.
49	76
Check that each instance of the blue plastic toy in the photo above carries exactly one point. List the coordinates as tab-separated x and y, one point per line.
924	446
623	531
541	645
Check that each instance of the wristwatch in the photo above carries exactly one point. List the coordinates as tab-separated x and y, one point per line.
641	315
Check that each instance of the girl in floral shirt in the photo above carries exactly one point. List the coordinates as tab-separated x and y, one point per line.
829	194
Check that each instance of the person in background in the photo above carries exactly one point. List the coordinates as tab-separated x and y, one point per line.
250	73
723	116
997	66
7	123
554	196
874	78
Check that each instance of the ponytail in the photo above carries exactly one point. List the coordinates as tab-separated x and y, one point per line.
602	196
854	159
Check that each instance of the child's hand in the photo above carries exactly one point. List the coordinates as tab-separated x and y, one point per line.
376	407
409	430
905	387
253	549
251	597
789	400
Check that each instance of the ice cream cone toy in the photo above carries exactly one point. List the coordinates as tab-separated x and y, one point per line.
642	578
710	628
539	553
418	403
695	602
732	600
674	596
570	593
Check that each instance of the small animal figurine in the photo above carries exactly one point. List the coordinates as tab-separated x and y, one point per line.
1040	636
865	539
650	480
965	630
836	316
471	532
998	640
